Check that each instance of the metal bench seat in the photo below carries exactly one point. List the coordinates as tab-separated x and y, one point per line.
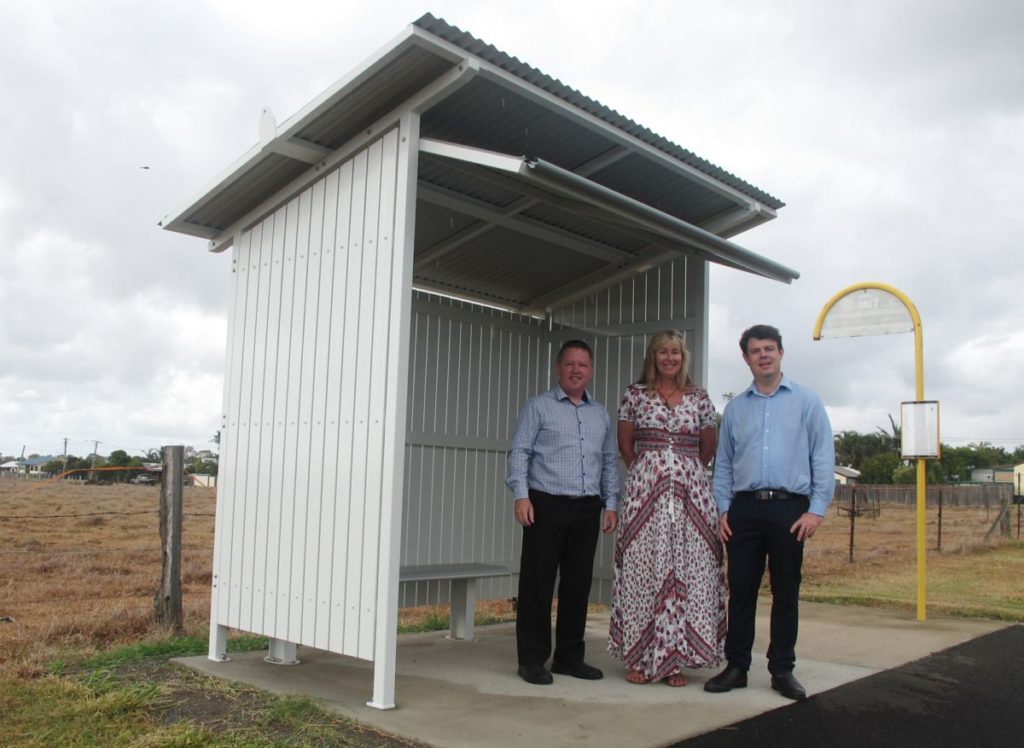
463	577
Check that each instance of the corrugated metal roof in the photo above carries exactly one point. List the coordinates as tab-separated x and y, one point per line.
484	233
555	87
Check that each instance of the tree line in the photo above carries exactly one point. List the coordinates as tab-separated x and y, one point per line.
877	457
197	462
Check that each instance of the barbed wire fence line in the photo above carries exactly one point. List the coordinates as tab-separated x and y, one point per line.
858	502
47	552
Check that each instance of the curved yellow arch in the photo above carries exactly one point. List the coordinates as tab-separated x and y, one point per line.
911	309
919	387
860	287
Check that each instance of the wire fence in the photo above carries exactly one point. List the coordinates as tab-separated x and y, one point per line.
83	559
87	557
957	516
966	494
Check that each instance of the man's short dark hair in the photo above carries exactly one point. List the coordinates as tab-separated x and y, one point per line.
760	332
582	345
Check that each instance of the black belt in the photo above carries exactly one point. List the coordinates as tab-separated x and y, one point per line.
769	494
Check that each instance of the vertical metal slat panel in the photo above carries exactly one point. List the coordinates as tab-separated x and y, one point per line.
314	395
224	534
471	370
278	319
264	362
300	504
249	265
322	498
336	518
300	375
285	405
381	200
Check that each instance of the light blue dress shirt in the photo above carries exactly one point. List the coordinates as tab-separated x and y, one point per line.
782	440
563	449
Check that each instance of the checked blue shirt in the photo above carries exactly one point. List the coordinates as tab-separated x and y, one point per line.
563	449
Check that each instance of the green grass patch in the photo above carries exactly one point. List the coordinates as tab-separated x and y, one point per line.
187	646
132	696
55	711
430	622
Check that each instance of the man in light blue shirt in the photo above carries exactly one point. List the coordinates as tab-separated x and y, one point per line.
774	476
562	471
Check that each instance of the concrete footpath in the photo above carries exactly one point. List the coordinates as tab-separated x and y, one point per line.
455	694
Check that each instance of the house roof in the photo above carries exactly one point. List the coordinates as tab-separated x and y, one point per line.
593	196
847	472
39	460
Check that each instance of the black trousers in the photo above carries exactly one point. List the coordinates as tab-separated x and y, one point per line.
760	530
561	542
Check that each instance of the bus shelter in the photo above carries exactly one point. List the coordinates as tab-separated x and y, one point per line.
407	252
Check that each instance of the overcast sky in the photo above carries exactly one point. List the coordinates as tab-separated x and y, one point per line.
893	130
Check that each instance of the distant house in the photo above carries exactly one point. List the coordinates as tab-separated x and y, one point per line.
29	467
1018	479
34	466
998	474
845	474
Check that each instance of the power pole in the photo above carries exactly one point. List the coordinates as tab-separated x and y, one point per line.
64	468
92	467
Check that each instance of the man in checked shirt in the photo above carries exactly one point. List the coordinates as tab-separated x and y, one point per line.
563	474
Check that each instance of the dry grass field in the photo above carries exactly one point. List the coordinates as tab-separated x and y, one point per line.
82	662
79	565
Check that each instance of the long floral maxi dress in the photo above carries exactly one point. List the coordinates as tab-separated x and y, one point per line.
669	595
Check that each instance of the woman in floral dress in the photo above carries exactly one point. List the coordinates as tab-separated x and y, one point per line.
669	597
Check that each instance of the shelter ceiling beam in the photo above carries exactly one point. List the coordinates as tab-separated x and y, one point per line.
684	324
300	149
474	231
651	219
482	211
593	282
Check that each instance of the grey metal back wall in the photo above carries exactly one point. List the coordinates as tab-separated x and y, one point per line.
302	490
471	368
618	322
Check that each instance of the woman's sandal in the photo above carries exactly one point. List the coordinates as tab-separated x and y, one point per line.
676	681
637	678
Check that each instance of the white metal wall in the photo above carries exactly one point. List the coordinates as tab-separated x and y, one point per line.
617	323
304	476
472	368
302	482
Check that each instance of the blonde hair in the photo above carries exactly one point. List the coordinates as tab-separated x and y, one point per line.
649	373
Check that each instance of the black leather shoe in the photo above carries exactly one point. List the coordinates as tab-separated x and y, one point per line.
577	670
535	674
789	686
730	678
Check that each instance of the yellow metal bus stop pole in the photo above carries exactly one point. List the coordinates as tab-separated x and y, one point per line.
919	395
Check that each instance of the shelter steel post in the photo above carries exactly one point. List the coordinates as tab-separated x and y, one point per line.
386	634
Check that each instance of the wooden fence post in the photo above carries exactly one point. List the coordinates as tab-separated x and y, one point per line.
167	601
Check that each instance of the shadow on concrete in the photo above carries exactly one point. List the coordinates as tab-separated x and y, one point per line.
466	694
968	695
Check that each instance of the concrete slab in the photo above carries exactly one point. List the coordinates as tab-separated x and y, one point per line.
457	694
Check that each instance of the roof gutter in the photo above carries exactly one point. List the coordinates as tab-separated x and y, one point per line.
635	213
